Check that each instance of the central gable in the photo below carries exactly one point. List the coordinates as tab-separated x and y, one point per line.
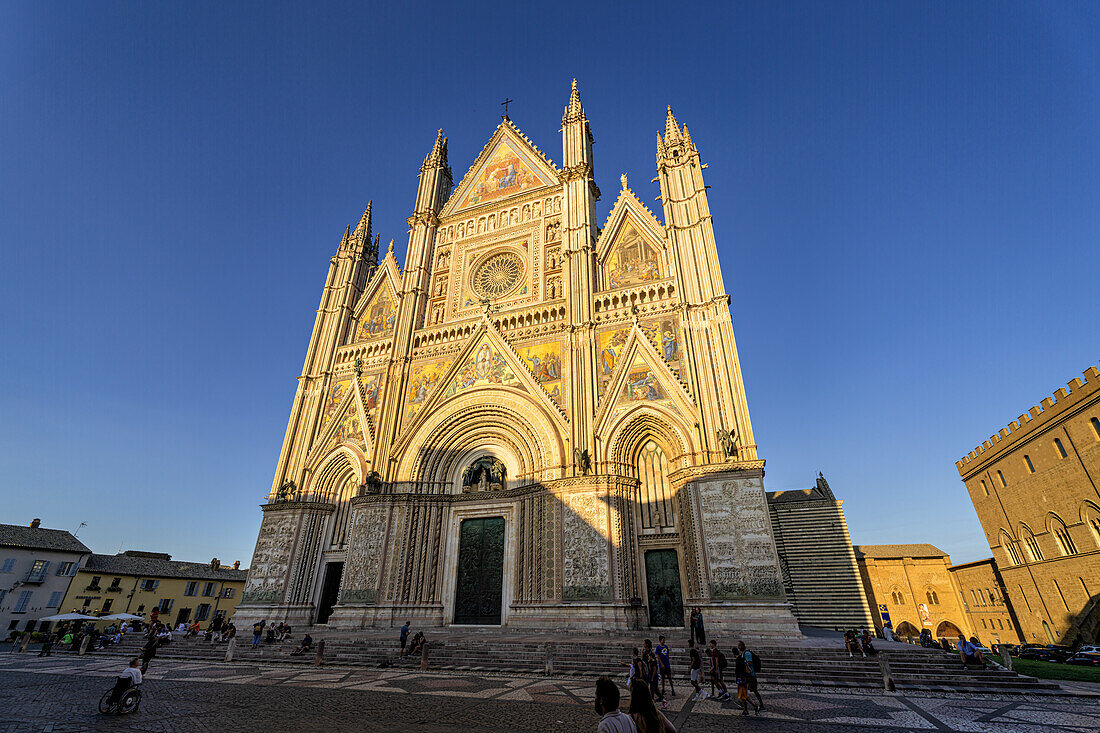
508	166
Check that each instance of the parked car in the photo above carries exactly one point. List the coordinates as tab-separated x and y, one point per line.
1034	651
1089	649
1085	659
1059	653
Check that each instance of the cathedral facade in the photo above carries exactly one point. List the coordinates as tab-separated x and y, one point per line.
536	422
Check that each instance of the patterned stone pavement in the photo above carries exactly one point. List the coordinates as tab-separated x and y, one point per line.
60	694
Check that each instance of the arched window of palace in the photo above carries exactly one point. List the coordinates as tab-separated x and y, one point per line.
1010	548
932	598
1061	534
1091	515
654	493
487	473
1031	544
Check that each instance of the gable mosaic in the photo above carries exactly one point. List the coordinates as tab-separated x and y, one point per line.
633	259
378	317
505	173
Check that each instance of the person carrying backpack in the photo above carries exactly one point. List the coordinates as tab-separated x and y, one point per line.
718	664
752	666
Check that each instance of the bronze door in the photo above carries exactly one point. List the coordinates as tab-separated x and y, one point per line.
662	577
479	590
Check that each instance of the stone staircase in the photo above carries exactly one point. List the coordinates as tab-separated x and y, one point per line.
912	668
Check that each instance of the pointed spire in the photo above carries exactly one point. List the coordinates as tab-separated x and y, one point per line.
574	111
438	157
362	229
660	147
672	129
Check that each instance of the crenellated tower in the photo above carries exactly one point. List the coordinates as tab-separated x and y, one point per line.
713	368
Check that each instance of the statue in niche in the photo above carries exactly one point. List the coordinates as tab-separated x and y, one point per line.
485	474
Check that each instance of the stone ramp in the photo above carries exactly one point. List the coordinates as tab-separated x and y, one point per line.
912	668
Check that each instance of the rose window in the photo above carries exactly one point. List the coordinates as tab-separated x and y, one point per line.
498	275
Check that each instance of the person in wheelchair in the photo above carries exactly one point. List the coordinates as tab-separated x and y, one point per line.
130	677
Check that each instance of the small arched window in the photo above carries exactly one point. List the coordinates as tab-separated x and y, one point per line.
1061	533
1096	427
1091	515
985	489
1010	548
1001	478
1031	544
1060	448
932	598
1030	465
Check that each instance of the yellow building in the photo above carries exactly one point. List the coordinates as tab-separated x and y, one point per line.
911	586
1036	488
985	600
138	582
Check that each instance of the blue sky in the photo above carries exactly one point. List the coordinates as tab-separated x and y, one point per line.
905	197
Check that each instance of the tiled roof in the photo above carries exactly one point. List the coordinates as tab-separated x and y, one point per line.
793	495
920	549
39	538
146	567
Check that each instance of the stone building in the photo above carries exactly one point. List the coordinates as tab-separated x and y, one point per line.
536	422
984	598
1036	488
36	567
137	582
820	573
911	587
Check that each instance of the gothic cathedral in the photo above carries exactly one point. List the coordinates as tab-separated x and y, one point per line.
536	423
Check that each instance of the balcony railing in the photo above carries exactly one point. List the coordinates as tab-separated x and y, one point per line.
33	577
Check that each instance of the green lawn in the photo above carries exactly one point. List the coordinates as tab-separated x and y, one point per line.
1055	671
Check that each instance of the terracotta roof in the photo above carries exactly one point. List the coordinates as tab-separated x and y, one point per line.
915	550
39	538
150	567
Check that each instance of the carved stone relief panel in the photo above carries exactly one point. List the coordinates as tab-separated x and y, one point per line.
737	539
271	560
364	563
585	564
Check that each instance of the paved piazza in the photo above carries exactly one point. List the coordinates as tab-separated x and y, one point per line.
60	693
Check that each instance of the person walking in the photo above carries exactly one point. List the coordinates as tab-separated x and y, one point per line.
635	667
666	666
647	718
150	649
696	670
751	664
717	665
613	720
653	677
404	637
741	673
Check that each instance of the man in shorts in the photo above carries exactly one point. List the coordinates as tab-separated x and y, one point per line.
696	671
750	665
